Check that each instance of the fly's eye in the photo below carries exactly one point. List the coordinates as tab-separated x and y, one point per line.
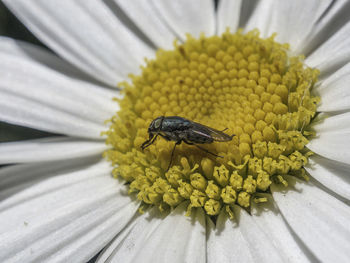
157	123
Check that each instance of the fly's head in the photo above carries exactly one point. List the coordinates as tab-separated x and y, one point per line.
155	126
153	130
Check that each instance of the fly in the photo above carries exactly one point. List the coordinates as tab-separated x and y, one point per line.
178	129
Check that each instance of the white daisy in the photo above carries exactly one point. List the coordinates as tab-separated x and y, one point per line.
60	203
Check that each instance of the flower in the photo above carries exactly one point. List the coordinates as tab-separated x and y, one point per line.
59	202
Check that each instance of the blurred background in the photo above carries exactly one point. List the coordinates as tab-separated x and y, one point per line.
10	26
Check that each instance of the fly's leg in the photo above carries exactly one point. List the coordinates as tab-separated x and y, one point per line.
148	142
203	149
172	155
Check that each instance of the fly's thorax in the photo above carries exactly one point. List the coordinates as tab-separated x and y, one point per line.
175	124
236	81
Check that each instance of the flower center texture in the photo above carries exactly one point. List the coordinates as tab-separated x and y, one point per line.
236	81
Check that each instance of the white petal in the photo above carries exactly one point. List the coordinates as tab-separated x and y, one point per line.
20	50
228	15
226	243
132	239
99	232
334	91
62	177
331	123
294	20
66	218
270	221
148	19
36	96
260	243
33	64
332	174
194	17
177	239
260	17
291	20
87	34
48	149
247	9
332	138
332	54
334	18
16	110
320	220
15	178
260	237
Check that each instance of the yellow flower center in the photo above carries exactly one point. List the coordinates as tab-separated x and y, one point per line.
237	81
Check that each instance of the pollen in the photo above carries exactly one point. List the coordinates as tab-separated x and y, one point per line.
242	83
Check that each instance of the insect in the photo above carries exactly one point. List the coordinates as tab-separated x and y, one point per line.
178	129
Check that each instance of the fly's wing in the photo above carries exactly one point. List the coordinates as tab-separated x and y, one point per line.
214	134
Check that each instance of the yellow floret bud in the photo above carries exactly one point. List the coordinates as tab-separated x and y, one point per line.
198	198
174	175
254	166
221	175
212	207
149	196
236	181
161	186
249	184
185	189
260	149
213	191
228	195
172	197
263	180
198	181
297	160
243	199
